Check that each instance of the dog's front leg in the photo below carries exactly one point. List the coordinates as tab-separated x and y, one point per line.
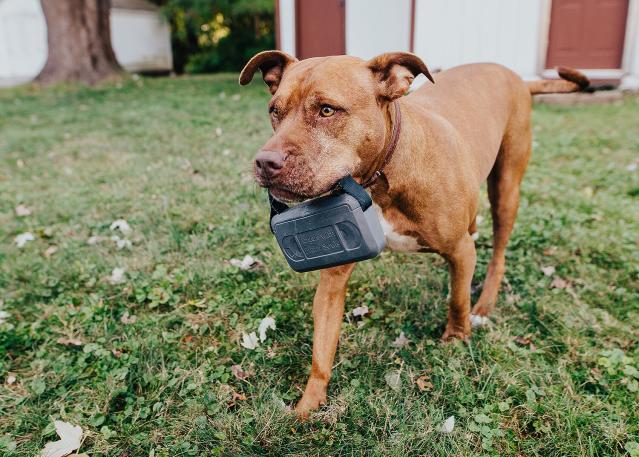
328	311
462	266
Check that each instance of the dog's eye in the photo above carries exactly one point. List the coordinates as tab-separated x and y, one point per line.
273	110
327	111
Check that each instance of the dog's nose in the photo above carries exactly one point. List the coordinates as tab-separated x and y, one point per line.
269	163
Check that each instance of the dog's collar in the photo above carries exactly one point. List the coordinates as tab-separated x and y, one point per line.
397	128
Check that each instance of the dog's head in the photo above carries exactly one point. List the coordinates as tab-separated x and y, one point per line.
329	116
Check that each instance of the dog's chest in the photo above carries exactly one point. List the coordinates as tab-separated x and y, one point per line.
395	240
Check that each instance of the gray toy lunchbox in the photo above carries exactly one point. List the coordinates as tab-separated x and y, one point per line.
328	231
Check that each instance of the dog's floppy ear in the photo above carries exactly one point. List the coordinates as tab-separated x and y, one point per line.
395	72
272	65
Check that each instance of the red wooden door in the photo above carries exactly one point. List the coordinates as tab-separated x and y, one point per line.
587	33
320	28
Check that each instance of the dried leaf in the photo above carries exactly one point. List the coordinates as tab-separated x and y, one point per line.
558	283
400	341
70	440
423	383
127	319
3	316
249	340
394	380
95	239
69	341
22	211
479	321
23	239
117	276
121	225
548	271
265	324
247	263
239	373
10	380
448	425
50	251
360	311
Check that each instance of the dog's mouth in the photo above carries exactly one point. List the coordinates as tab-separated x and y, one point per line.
286	195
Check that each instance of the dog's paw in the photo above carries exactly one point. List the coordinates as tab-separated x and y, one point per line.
314	397
478	321
454	332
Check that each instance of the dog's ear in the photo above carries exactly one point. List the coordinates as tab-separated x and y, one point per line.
272	65
395	72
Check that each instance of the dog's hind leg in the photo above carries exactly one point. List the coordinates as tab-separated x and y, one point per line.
328	311
503	192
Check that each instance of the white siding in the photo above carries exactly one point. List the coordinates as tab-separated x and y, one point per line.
377	26
454	32
141	40
287	26
23	39
631	50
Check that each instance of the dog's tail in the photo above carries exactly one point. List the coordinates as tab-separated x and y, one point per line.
571	81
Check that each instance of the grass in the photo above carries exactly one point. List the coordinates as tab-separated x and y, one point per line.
172	157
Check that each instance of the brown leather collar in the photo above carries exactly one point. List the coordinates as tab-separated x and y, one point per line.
397	128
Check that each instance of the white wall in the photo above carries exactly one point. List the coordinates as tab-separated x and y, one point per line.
141	40
287	26
454	32
23	39
631	51
377	26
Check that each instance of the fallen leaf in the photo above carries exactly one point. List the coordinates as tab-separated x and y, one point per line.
247	263
249	341
360	311
394	380
117	276
126	319
448	425
477	321
558	283
548	271
400	341
236	396
218	131
10	380
525	341
22	211
121	243
239	373
632	166
69	341
265	324
3	316
121	225
23	239
423	383
95	239
70	440
50	251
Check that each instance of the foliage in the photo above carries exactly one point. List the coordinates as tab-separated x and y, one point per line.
221	35
150	366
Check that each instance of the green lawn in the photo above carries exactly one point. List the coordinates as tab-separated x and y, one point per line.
555	375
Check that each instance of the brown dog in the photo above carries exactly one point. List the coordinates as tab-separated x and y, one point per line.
333	116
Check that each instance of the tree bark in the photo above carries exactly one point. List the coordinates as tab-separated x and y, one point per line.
79	41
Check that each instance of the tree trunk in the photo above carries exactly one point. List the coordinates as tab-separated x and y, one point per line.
79	41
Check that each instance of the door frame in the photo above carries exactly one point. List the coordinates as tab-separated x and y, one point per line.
632	29
298	35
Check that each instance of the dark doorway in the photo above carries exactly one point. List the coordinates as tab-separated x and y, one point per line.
320	28
587	33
